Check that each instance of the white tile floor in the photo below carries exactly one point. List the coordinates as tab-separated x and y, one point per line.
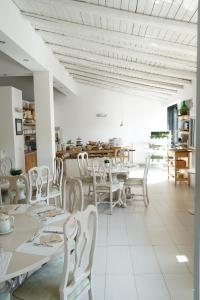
137	246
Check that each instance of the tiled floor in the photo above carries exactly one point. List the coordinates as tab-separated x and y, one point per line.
137	246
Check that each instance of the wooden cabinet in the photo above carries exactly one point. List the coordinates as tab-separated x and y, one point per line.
178	165
30	160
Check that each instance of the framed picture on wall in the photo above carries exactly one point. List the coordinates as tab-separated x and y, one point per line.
18	126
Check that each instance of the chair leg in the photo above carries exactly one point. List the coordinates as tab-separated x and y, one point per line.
144	195
90	296
95	199
147	195
111	200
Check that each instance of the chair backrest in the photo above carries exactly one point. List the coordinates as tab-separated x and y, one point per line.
5	166
39	184
58	172
101	174
73	195
80	228
17	187
122	156
82	158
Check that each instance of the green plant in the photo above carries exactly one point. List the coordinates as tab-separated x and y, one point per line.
15	172
184	110
106	161
159	134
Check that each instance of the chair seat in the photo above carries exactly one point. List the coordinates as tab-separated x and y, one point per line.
44	284
134	181
87	179
106	187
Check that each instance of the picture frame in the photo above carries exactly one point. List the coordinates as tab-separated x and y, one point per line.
18	126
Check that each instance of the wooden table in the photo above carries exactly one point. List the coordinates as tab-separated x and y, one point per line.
21	263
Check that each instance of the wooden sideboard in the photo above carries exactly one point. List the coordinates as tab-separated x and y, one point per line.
30	160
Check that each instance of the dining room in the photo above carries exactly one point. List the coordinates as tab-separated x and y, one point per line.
99	150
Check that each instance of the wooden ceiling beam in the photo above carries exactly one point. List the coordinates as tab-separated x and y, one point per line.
139	87
126	90
105	74
103	60
74	62
91	47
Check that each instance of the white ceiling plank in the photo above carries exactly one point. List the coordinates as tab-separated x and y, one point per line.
102	2
116	37
165	8
141	6
109	3
157	8
132	5
186	10
194	18
124	5
128	16
117	4
174	8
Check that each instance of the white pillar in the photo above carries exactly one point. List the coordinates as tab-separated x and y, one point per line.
44	111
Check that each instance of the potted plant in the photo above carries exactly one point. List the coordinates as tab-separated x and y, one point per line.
184	110
15	172
107	162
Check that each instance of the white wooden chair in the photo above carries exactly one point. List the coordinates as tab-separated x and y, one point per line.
73	196
5	168
17	187
55	190
68	278
39	184
83	164
139	182
103	184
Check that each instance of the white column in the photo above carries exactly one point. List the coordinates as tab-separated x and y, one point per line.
44	110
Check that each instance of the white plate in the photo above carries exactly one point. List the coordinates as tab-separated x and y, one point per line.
11	230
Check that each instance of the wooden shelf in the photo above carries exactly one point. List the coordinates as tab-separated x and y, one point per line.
175	155
184	117
28	124
26	109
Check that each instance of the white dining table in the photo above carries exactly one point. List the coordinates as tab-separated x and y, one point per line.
117	169
25	225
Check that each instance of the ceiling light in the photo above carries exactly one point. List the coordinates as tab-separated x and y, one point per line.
181	258
25	59
2	42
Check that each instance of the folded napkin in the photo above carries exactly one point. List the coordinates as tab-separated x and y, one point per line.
52	213
5	258
50	238
4	209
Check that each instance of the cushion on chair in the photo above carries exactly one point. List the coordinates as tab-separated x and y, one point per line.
87	179
134	181
44	284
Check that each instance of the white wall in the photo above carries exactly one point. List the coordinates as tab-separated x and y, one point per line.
13	144
76	115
